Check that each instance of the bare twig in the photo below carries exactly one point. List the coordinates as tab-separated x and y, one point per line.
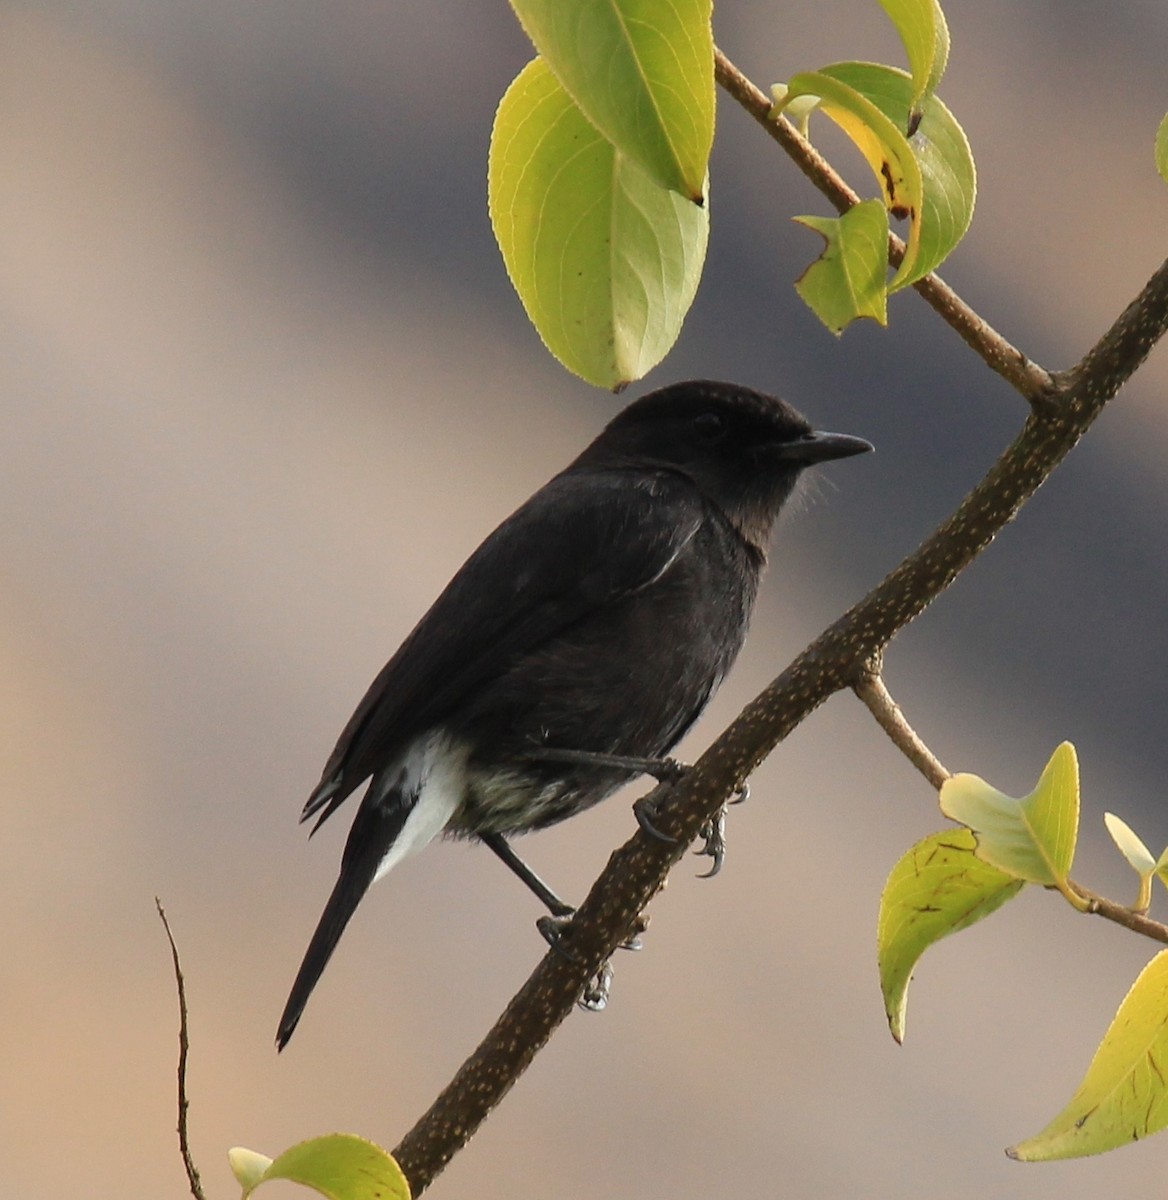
184	1045
872	690
1027	377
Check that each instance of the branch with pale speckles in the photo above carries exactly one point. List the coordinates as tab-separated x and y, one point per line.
1062	410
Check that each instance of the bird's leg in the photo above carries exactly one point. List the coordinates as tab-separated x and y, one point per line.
664	770
555	927
559	909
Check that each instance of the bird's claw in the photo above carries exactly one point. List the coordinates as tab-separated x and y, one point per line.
713	834
634	941
553	929
594	997
645	810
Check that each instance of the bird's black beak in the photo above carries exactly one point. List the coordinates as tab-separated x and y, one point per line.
817	446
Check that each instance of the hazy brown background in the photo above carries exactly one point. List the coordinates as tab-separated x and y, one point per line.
264	386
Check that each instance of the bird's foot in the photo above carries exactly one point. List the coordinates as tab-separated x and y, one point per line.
713	833
555	929
594	997
557	932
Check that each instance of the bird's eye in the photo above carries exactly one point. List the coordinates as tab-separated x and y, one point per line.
709	426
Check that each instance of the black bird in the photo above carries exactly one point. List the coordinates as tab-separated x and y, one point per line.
600	617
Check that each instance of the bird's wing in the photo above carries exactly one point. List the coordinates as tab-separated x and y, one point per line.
582	541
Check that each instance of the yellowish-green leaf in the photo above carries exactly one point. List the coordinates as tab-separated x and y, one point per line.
1162	867
248	1167
1138	855
850	278
878	138
1123	1096
605	260
1162	149
642	72
1032	838
797	110
1130	844
929	180
922	28
339	1166
937	888
942	154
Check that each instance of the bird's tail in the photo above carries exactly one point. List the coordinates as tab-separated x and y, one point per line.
374	831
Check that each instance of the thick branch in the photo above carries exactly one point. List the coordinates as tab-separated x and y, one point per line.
1027	377
837	659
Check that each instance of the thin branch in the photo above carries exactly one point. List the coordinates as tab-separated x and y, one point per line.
835	660
1109	910
184	1046
872	690
1027	377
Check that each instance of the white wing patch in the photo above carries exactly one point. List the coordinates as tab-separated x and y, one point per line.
434	771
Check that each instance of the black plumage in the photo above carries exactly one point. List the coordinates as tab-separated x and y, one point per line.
600	617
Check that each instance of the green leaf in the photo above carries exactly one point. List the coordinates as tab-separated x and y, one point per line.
1162	149
922	28
1123	1096
930	179
850	278
937	888
1032	838
340	1166
605	260
642	72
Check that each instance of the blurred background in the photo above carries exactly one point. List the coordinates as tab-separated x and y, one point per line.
264	385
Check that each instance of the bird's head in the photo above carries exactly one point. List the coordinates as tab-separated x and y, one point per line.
742	449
